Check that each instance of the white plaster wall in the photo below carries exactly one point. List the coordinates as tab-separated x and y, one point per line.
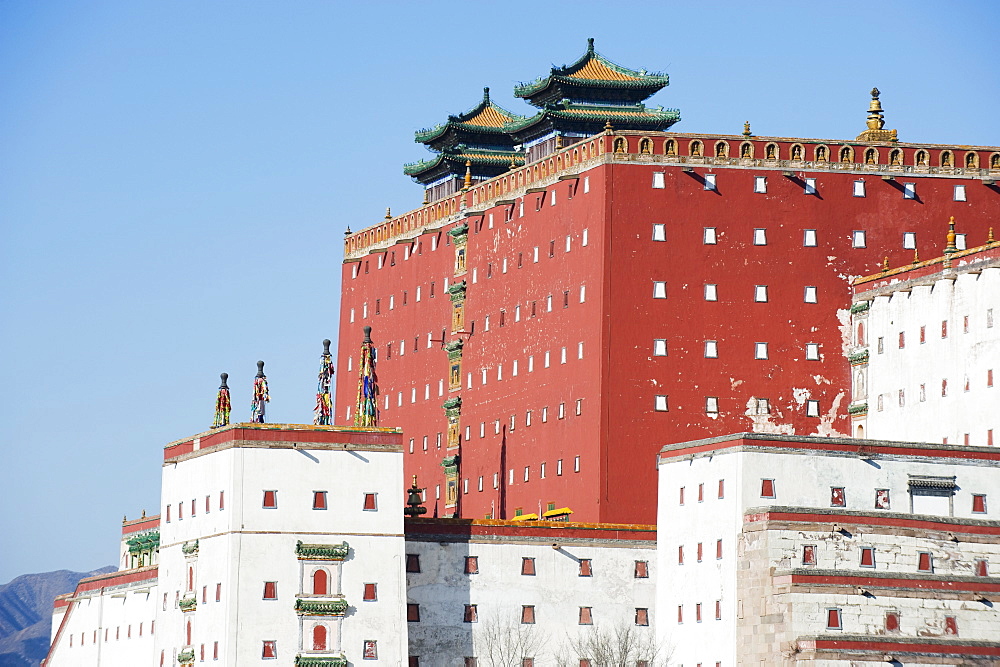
956	358
804	480
108	617
693	582
557	591
245	545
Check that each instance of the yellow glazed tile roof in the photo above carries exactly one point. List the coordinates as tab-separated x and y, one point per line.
490	116
595	69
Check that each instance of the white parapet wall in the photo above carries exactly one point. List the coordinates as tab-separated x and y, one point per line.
827	549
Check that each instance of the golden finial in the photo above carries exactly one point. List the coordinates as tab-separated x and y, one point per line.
388	213
989	239
951	236
885	264
415	477
468	174
916	257
876	123
746	129
513	162
607	126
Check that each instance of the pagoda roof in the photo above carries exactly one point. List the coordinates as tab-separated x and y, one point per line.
484	118
450	159
623	118
595	72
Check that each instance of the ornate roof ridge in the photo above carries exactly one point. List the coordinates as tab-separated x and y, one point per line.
467	119
474	155
597	113
571	74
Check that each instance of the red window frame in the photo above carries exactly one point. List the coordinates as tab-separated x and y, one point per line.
370	592
270	500
270	590
319	500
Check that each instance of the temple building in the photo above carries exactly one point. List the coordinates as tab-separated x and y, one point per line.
659	398
542	331
471	147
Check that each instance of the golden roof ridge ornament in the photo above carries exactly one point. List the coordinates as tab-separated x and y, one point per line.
951	247
746	129
876	123
388	213
468	175
989	239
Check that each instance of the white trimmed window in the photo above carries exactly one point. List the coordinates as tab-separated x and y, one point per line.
909	190
760	350
659	289
709	182
531	363
812	351
760	237
548	304
909	240
562	356
513	370
859	188
809	238
517	313
658	180
711	292
710	237
579	350
660	347
959	193
583	293
711	349
711	405
659	231
812	408
960	241
760	184
810	187
810	295
583	242
535	255
760	293
546	364
858	239
660	404
586	186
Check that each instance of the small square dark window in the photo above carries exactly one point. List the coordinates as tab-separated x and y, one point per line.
413	613
767	488
472	564
809	554
838	498
585	567
925	563
586	616
641	616
270	500
979	503
528	614
892	621
833	619
371	593
413	562
471	614
370	505
641	569
270	590
319	500
528	566
867	557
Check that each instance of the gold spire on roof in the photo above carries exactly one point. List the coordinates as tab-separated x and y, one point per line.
951	236
388	213
468	174
607	126
746	129
876	123
989	239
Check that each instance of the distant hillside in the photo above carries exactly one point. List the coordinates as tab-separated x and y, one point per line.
26	614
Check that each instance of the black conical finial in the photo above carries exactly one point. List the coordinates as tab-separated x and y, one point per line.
368	335
326	346
486	94
260	369
590	45
224	376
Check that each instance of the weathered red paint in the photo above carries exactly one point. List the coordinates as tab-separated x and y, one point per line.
555	530
619	432
965	526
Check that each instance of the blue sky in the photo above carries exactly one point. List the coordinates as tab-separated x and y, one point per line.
175	179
